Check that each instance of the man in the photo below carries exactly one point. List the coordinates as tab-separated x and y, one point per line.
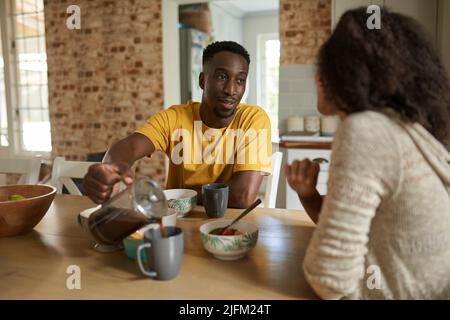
217	140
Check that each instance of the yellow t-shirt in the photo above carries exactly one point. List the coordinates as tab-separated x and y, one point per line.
199	154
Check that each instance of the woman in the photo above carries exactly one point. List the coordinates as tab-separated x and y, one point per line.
384	227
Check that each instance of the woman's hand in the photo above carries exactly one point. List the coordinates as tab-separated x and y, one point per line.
302	177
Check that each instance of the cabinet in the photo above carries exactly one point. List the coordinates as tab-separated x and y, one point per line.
292	201
444	32
424	11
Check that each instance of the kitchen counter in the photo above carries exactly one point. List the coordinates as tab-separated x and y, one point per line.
306	145
302	142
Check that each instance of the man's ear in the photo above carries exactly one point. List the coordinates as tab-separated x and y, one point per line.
201	80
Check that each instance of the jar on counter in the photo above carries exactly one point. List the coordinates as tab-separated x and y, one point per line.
329	125
295	124
312	124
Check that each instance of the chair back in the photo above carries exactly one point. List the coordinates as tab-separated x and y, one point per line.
64	171
28	168
270	195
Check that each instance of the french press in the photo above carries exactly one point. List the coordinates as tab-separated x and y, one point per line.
139	204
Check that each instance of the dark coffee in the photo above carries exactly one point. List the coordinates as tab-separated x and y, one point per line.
110	225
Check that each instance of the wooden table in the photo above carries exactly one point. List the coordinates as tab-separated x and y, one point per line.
34	266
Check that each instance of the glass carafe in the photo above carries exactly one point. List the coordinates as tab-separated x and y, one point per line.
139	204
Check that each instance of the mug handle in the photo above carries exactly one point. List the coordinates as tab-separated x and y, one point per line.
141	247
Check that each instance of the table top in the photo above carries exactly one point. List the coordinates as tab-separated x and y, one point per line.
35	265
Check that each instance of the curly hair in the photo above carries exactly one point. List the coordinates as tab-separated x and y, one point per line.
395	67
220	46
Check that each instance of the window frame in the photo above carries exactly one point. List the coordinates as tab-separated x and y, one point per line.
260	47
11	71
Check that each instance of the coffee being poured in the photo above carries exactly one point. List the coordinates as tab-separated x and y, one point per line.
141	203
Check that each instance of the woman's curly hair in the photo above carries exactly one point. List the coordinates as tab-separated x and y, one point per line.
395	67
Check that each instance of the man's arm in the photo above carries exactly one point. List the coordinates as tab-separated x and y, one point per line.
243	189
101	178
129	150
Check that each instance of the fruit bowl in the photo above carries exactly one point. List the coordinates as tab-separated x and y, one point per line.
23	206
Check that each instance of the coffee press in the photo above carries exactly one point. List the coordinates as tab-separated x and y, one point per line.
139	204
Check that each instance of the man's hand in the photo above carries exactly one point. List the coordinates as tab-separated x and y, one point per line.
302	177
100	181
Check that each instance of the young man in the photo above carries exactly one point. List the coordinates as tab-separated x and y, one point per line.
217	140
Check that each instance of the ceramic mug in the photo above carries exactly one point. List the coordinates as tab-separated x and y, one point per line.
164	253
131	242
215	199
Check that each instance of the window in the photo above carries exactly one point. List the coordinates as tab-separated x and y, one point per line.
24	42
268	70
3	114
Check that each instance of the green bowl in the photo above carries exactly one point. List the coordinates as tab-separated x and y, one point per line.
229	247
181	200
131	245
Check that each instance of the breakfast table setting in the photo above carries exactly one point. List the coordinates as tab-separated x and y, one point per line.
58	259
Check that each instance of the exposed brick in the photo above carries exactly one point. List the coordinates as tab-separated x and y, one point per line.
94	91
303	24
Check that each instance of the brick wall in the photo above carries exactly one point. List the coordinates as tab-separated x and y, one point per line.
304	26
106	78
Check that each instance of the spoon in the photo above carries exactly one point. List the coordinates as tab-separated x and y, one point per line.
243	214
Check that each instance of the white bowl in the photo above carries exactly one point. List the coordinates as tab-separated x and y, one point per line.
229	247
182	200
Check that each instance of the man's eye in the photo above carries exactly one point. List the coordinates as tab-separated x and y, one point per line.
241	81
221	77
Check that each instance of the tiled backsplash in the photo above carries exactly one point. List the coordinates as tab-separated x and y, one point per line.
297	93
304	26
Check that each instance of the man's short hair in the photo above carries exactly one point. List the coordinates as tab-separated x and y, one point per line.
219	46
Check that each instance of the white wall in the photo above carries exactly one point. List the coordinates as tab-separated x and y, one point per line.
171	53
225	24
254	25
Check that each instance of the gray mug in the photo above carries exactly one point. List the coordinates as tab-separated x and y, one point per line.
215	199
164	253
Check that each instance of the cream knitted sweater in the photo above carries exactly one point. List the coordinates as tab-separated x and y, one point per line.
384	227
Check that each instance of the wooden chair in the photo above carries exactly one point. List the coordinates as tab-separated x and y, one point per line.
270	194
64	171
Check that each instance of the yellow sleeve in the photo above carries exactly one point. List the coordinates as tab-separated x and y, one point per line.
255	143
158	129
